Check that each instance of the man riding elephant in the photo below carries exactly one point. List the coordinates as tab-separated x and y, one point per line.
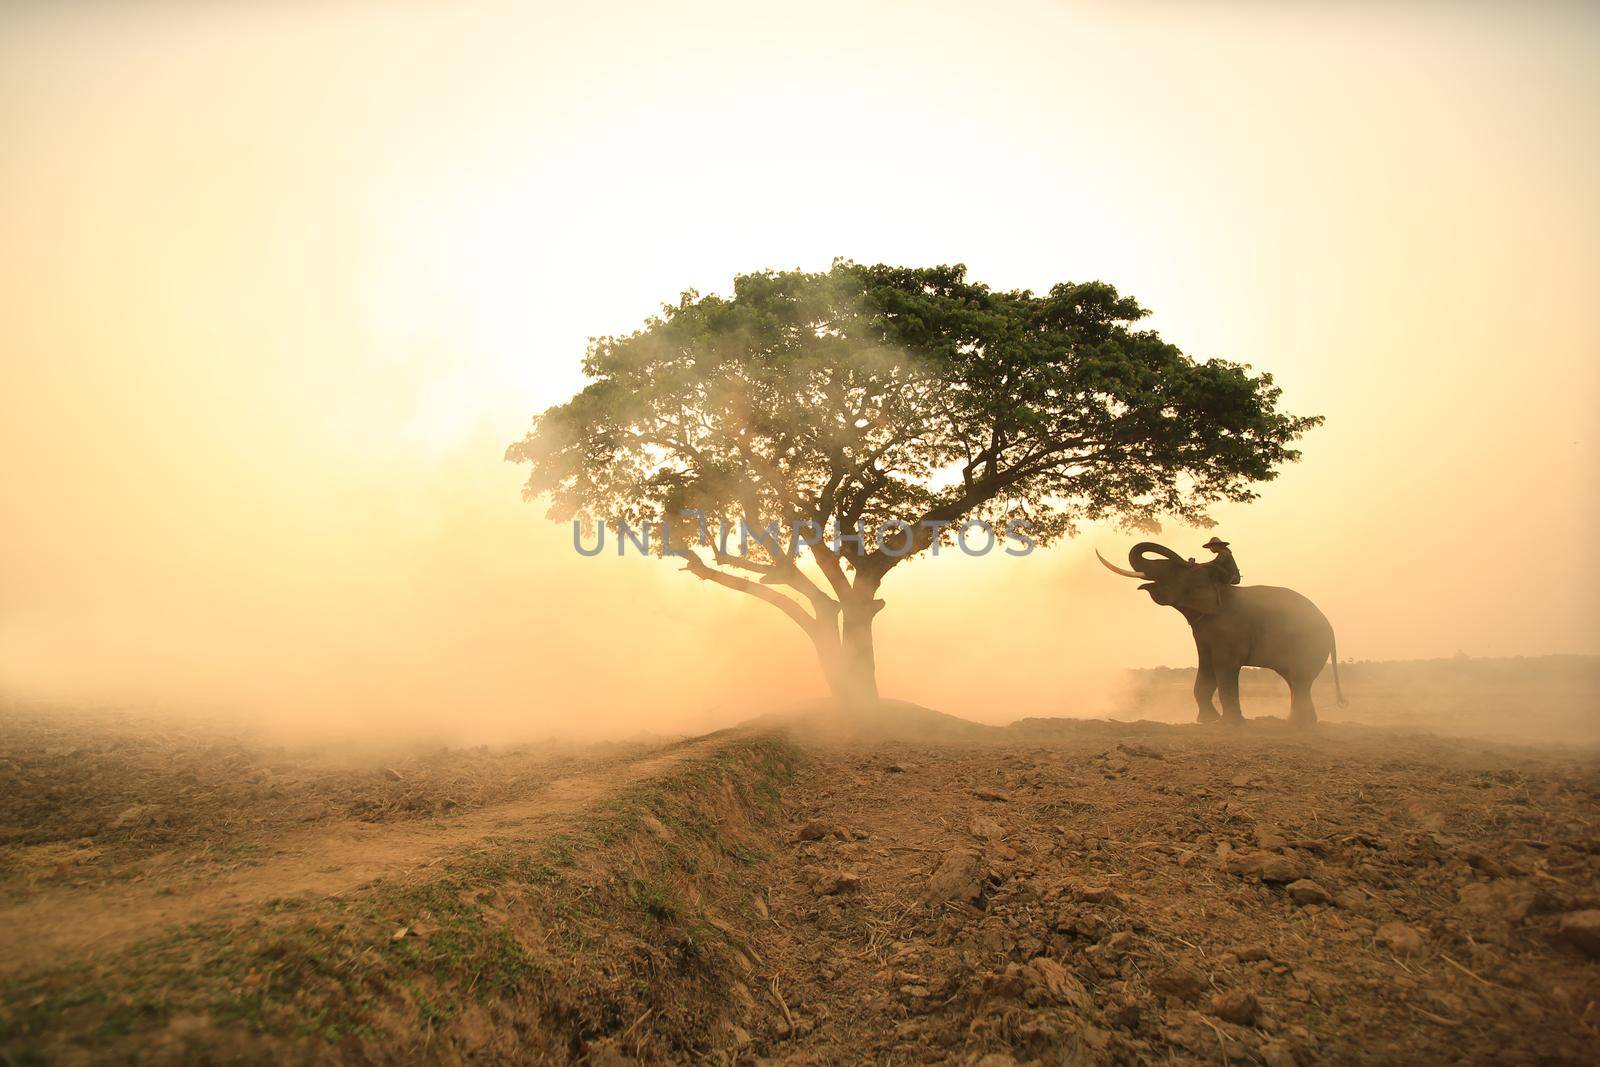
1238	626
1223	569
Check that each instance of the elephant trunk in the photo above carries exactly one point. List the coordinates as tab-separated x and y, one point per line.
1137	554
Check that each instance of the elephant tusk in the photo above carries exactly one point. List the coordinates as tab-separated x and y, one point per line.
1119	570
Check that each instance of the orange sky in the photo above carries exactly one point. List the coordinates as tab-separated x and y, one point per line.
280	281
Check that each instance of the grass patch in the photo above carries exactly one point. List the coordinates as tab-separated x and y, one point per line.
654	899
573	936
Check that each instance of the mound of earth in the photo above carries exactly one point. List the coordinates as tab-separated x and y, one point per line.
898	720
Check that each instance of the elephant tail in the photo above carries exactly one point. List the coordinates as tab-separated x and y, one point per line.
1337	688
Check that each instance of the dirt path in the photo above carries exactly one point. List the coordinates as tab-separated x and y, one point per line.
323	862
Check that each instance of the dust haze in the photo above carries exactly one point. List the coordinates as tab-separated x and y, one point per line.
257	387
172	562
319	745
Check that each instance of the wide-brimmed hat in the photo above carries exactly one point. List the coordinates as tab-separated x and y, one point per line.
1215	542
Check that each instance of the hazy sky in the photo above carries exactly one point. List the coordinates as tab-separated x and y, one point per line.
279	282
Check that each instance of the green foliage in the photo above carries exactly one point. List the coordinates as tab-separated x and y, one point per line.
866	394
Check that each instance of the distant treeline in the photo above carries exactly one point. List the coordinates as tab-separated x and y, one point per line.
1559	670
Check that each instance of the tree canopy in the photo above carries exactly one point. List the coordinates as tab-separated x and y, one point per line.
894	400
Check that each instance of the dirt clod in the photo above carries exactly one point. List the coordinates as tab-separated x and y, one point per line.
959	877
1047	982
1305	891
1236	1006
1098	894
1581	929
985	828
1497	901
1179	982
1400	939
837	882
1277	1054
1279	868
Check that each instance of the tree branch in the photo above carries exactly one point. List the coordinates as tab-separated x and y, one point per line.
697	567
828	562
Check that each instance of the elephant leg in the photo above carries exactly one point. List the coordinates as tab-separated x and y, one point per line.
1302	712
1228	690
1205	684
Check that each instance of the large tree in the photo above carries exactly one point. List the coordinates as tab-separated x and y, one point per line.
900	402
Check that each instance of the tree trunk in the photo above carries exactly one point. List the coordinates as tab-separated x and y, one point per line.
860	662
847	656
840	631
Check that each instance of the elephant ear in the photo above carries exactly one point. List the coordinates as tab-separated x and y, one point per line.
1200	594
1196	591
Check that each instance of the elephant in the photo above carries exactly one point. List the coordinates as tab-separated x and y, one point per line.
1239	626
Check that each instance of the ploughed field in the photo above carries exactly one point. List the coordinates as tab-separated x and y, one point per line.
907	888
